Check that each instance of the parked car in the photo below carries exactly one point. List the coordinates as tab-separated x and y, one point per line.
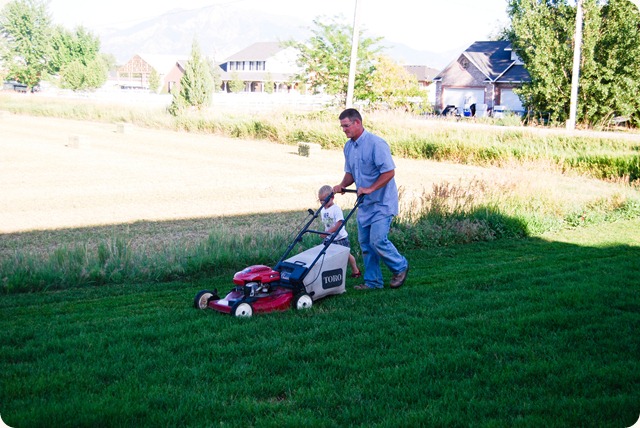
13	85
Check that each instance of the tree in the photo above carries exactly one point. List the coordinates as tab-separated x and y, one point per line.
69	46
25	26
33	48
214	69
81	77
76	58
196	85
269	85
325	60
154	81
542	35
236	85
392	85
110	61
613	84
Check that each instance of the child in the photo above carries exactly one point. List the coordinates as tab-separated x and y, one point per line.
332	218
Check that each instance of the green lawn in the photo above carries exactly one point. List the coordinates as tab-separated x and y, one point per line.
531	332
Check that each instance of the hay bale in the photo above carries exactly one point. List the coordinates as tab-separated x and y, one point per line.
308	149
74	142
123	128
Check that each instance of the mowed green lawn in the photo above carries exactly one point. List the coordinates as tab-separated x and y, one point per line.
531	332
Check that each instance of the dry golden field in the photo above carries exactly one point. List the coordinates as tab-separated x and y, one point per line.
57	173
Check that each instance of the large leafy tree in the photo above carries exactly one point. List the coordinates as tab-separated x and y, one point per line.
69	46
34	48
542	34
25	26
325	60
76	58
613	82
196	85
84	75
393	86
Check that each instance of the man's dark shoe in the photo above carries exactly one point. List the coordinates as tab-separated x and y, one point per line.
398	278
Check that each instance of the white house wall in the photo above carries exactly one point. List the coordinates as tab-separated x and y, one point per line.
284	62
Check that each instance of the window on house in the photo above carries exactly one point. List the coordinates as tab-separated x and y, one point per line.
260	65
252	65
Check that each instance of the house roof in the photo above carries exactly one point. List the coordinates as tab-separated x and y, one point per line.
494	60
491	58
516	73
182	63
260	51
422	72
161	63
143	63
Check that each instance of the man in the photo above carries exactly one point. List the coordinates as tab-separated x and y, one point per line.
368	164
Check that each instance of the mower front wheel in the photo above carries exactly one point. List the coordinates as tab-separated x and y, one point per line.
302	301
201	301
242	310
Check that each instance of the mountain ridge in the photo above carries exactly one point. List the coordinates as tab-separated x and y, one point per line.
221	32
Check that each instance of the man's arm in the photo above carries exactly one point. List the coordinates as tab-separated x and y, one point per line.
382	181
347	181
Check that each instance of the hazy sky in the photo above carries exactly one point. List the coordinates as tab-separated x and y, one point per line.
436	25
448	23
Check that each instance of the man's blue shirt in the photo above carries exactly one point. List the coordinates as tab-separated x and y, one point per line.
365	159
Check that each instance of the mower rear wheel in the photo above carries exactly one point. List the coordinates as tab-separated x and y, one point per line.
242	310
302	301
201	301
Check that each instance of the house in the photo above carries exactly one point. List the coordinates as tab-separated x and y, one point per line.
425	76
174	76
482	79
260	64
136	72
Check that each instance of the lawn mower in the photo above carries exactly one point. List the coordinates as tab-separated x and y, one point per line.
294	282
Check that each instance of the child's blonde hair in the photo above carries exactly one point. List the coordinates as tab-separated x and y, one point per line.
324	191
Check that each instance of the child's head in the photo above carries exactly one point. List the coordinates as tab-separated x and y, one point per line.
324	191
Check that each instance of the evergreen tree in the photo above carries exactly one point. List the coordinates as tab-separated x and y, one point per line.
154	81
196	85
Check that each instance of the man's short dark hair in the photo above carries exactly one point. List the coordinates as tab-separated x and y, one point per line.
351	114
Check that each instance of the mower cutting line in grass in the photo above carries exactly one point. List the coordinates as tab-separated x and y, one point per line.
295	282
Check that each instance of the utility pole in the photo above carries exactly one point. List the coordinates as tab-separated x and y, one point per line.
575	77
354	57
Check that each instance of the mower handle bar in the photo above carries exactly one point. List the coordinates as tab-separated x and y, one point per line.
314	215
